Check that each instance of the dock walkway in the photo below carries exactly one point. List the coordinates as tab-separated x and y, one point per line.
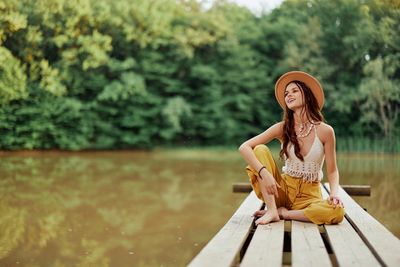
360	240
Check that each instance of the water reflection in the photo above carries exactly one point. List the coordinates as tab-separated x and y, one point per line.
382	172
139	208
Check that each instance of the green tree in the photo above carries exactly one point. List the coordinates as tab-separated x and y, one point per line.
380	96
129	74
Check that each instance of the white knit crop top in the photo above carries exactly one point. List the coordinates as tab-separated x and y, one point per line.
311	168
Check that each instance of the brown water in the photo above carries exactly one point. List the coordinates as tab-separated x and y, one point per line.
142	208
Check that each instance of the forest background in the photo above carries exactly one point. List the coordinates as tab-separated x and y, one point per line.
135	74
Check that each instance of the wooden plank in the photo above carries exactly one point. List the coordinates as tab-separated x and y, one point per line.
266	247
383	244
357	190
353	190
308	248
347	245
226	244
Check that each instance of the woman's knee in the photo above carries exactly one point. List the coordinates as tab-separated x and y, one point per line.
264	155
325	214
261	149
338	217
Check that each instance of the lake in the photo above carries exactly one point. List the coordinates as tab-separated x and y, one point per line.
136	208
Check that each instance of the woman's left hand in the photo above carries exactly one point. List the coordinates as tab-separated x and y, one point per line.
335	201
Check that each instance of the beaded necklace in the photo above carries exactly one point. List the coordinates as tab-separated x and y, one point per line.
302	132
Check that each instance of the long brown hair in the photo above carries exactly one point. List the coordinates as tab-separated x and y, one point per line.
312	112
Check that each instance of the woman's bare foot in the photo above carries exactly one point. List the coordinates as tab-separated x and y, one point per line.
259	213
269	216
282	212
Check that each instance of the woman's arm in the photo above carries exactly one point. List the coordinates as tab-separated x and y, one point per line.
246	149
331	165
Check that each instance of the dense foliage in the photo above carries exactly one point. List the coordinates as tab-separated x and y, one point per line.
101	74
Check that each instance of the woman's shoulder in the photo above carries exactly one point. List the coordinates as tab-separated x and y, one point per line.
279	124
277	129
325	131
324	126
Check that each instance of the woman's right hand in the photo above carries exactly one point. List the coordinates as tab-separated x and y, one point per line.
269	183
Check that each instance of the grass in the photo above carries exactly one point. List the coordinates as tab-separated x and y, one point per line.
362	144
343	144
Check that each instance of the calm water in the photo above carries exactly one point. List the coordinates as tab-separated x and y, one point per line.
142	208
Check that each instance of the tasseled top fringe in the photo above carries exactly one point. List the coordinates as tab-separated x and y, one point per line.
306	176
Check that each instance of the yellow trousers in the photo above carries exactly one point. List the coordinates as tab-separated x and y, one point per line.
295	194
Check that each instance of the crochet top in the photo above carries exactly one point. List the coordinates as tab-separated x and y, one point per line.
311	168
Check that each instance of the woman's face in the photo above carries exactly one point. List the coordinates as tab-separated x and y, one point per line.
294	96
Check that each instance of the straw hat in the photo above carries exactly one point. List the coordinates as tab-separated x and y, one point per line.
301	76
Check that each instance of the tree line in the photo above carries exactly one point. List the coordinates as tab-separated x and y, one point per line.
103	74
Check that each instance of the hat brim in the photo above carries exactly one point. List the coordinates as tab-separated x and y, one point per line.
306	78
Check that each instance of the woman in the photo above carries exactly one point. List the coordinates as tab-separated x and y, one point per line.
305	142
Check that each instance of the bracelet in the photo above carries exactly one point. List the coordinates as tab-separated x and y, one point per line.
259	171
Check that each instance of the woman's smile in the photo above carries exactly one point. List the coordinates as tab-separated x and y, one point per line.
292	94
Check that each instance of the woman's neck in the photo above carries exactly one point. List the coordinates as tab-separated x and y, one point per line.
300	117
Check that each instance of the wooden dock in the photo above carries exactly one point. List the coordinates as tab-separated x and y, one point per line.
360	240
